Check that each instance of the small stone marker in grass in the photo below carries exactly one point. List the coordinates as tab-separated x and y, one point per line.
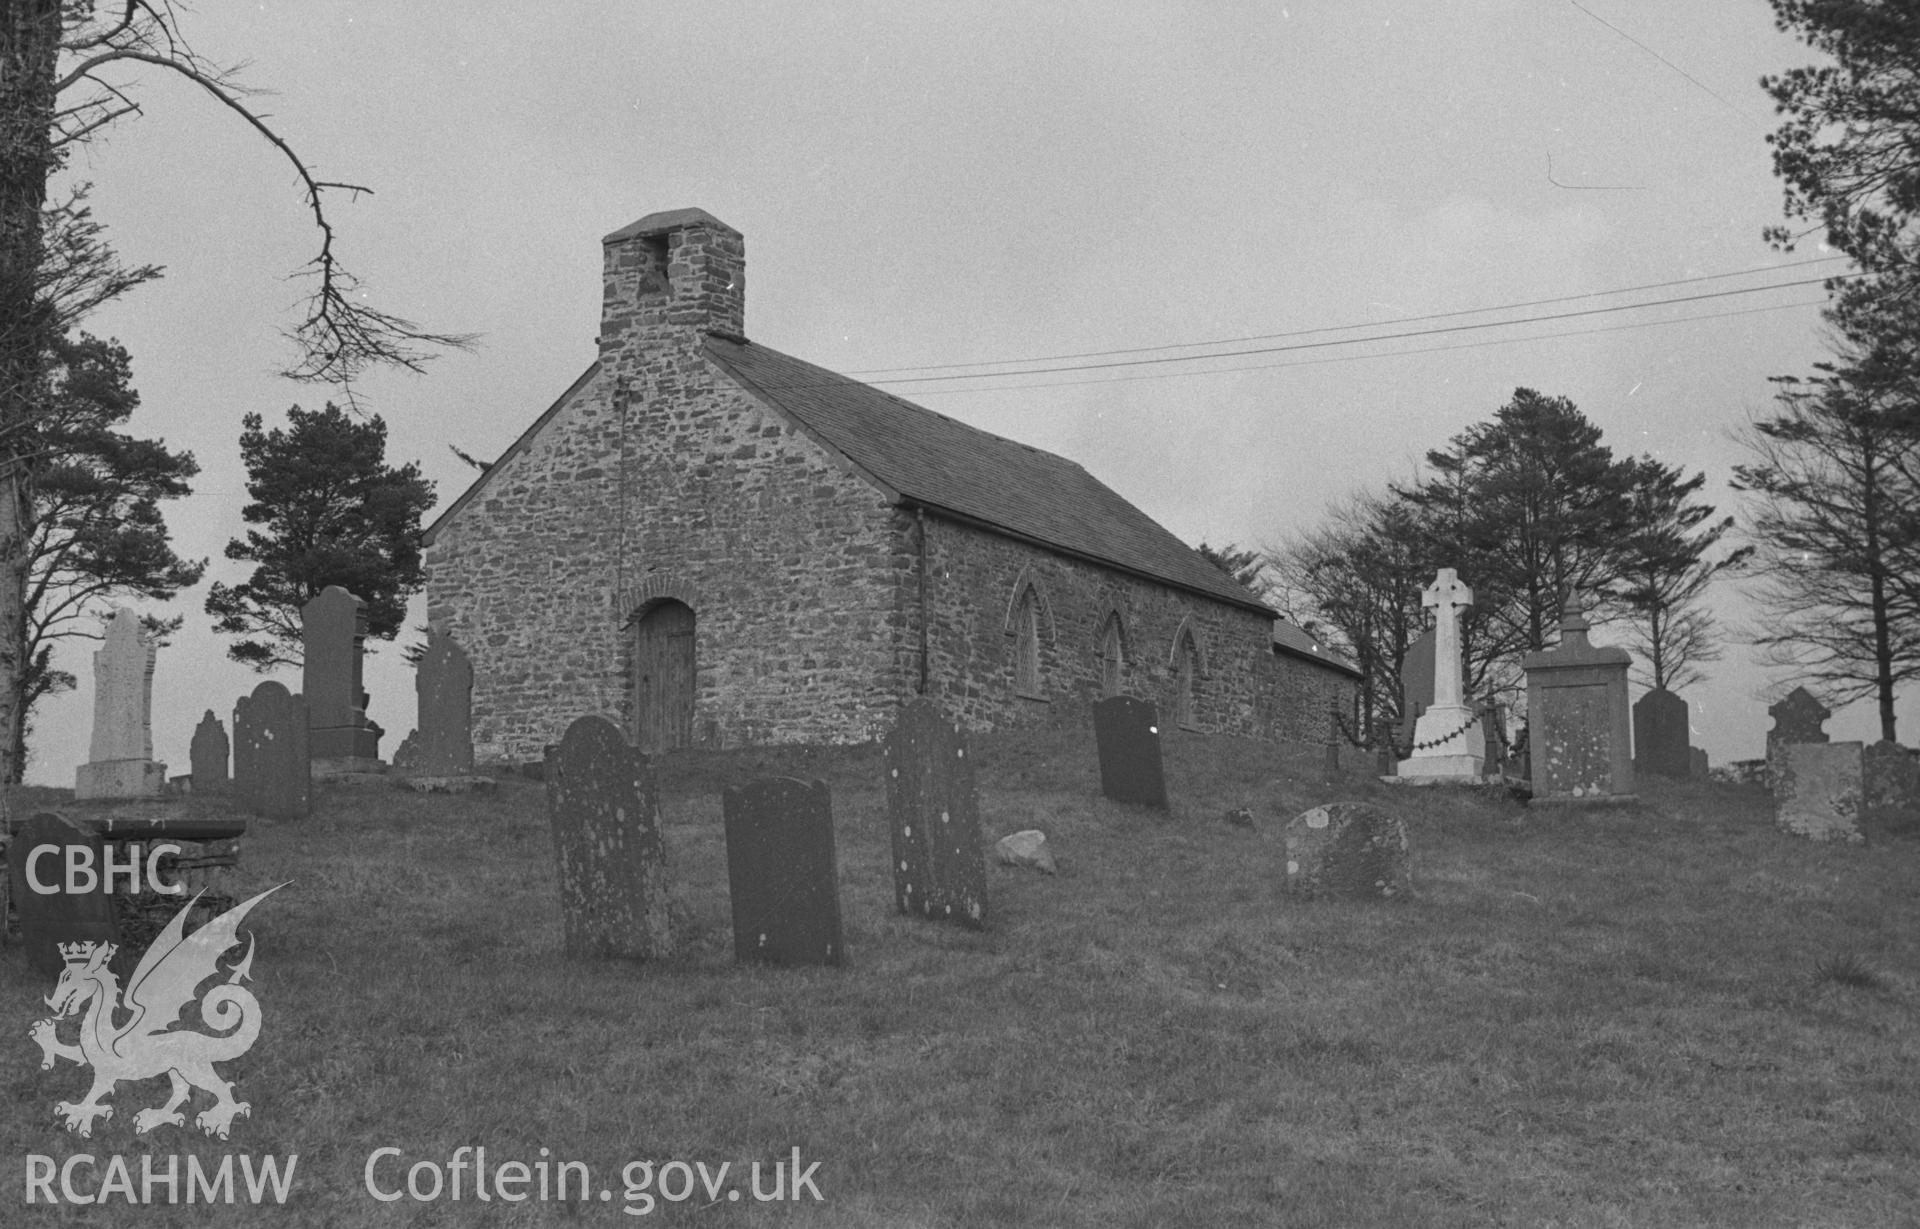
1126	730
782	874
1817	791
934	813
1347	849
603	808
208	754
272	770
48	919
1027	848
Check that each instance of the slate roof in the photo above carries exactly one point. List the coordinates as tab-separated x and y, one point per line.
946	466
1296	642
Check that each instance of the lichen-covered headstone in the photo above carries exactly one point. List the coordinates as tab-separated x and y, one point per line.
603	806
48	919
1890	778
1126	730
444	684
782	873
1579	734
1660	734
1817	791
333	631
1352	850
934	814
1797	718
208	753
407	754
272	768
120	762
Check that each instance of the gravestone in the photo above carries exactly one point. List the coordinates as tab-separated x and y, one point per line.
1889	778
603	807
1351	850
272	765
934	814
1444	742
1493	728
1817	791
120	763
1660	733
1416	688
782	873
50	919
444	685
209	753
333	631
1126	730
1697	766
1797	718
1579	737
407	754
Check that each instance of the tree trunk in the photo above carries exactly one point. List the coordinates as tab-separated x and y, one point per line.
29	53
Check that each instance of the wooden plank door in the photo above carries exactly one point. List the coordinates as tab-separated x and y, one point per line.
663	678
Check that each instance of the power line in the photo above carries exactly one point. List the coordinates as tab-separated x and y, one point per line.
1356	358
1344	328
1352	341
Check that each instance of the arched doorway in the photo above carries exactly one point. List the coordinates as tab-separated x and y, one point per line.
663	678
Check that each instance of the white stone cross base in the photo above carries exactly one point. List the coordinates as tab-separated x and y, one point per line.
120	779
1459	756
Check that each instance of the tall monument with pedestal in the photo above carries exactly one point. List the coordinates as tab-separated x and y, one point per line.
120	761
333	630
1578	723
1444	745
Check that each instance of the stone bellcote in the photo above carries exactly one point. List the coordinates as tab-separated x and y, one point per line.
683	270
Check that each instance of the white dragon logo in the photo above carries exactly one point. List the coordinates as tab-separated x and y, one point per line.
144	1044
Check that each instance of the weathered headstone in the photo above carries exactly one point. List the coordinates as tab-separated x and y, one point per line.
208	753
1578	725
1493	728
1416	687
1126	730
120	763
1817	791
1797	718
1697	766
444	684
333	629
782	873
1347	849
1660	734
1890	778
603	807
407	754
934	814
272	767
50	918
1444	742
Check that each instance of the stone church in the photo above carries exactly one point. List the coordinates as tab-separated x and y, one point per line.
717	544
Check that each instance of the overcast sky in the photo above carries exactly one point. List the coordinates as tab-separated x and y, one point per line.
963	183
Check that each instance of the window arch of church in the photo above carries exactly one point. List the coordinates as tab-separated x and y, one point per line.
1111	645
1030	624
1189	666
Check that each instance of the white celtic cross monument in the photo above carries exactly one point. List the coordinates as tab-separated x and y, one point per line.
1447	741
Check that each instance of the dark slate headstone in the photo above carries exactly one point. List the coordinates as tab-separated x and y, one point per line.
1416	687
48	920
782	873
333	630
1347	849
934	813
1660	734
1697	766
1797	718
1126	730
444	683
1493	727
604	810
407	754
209	753
272	768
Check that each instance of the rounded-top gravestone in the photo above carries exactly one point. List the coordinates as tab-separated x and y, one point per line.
1352	850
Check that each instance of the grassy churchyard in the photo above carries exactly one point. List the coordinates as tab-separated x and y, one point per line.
1663	1015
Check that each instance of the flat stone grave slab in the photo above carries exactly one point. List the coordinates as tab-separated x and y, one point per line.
1350	850
272	770
933	811
782	873
50	919
1126	729
603	807
1817	791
